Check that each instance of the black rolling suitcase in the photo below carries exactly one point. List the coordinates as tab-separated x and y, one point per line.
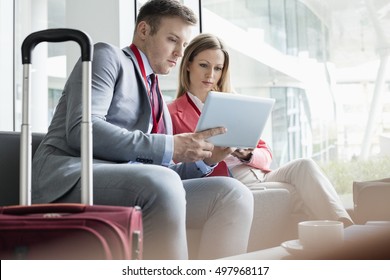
66	231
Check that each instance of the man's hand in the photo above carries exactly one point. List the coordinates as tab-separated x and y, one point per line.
191	147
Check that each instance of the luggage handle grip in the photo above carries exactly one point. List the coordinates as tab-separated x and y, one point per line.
57	35
44	208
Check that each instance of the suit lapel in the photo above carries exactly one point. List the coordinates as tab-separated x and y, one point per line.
187	114
127	51
166	116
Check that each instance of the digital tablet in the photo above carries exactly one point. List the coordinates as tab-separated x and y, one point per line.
244	117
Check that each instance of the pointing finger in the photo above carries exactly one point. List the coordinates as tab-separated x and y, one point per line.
211	132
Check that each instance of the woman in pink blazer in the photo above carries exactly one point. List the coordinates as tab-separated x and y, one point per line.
205	67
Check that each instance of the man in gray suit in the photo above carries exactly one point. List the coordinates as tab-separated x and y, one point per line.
137	160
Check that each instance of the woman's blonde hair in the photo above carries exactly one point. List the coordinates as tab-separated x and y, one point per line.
201	43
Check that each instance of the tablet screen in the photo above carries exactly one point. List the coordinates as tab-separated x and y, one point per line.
244	117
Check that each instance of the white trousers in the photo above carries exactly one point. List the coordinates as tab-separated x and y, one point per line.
312	193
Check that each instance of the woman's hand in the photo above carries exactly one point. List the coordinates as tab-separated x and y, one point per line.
243	154
218	154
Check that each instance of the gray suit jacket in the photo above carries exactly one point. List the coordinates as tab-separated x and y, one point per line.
121	113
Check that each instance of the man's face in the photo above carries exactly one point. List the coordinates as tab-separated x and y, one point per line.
164	48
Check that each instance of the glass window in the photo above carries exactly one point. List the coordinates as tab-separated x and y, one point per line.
278	24
110	21
326	65
291	28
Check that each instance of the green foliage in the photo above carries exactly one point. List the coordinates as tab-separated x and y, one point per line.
343	173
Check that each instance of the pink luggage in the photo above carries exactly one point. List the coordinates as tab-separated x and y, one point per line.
66	231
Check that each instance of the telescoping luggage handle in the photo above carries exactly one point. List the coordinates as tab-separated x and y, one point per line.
85	42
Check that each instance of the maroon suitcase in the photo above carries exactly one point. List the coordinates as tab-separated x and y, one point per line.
66	231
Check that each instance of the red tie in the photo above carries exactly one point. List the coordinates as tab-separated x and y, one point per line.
156	102
221	170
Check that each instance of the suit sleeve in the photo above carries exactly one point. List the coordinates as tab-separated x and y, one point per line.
111	140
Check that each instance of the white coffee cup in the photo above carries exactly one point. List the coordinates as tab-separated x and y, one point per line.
321	234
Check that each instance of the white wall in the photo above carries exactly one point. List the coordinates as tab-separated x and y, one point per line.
6	65
107	21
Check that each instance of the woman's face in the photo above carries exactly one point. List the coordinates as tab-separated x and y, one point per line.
205	71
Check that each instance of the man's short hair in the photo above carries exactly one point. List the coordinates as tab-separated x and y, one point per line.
153	10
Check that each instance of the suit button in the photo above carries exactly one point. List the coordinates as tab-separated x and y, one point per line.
144	160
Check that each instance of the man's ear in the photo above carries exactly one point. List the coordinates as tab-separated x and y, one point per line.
143	29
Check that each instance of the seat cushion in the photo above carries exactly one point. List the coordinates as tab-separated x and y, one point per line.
9	165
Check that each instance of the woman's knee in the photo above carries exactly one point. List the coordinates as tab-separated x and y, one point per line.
302	161
307	164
